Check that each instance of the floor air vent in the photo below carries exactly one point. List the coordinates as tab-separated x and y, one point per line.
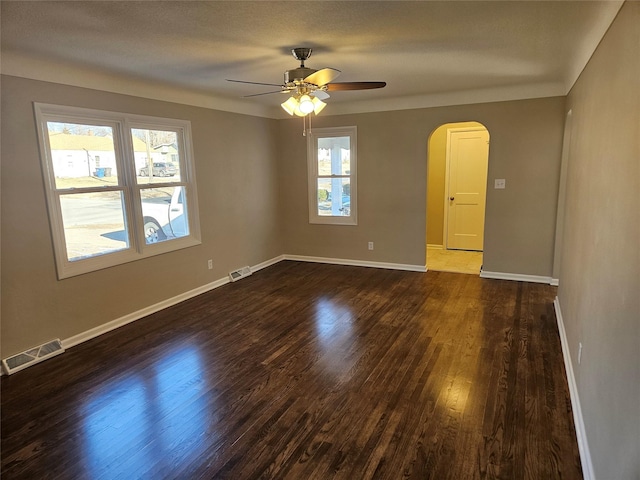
32	356
240	273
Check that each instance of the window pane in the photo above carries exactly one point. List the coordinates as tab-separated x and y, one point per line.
82	155
165	213
334	156
160	149
94	224
334	205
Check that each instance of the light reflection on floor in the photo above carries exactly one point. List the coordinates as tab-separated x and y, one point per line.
334	325
333	322
115	425
130	419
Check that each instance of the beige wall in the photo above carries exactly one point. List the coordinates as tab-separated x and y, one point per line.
252	189
599	289
236	159
436	178
526	143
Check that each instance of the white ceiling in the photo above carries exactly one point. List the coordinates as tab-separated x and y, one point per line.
429	53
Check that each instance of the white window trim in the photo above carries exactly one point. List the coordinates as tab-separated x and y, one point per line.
122	124
312	171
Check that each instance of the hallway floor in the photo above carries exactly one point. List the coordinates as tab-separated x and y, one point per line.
458	261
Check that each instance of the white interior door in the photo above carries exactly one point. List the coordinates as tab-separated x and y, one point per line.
468	158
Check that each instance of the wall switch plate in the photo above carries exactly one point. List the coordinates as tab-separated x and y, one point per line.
500	183
370	245
210	264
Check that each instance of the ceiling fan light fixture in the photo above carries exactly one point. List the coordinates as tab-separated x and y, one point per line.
306	105
303	105
309	86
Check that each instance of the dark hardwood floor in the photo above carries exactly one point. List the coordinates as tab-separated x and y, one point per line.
308	371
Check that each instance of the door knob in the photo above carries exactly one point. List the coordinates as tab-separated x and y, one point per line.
452	198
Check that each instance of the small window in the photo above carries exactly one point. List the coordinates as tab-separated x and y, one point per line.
332	175
106	205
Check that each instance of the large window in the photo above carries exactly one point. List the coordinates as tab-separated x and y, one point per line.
119	187
332	175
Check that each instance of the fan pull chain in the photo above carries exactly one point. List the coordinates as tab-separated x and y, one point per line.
304	125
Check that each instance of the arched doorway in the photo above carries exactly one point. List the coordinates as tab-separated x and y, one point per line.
457	167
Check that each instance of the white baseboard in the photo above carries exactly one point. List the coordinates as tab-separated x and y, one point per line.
267	263
581	433
554	282
357	263
518	277
137	315
435	247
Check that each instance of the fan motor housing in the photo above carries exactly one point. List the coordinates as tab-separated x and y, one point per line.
290	76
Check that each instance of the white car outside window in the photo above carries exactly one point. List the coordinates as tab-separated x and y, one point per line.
165	217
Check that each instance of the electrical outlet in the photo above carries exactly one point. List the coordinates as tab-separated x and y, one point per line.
579	352
370	245
210	264
500	183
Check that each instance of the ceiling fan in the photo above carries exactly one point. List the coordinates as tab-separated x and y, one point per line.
309	86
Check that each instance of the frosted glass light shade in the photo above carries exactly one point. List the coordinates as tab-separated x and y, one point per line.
290	105
318	105
306	104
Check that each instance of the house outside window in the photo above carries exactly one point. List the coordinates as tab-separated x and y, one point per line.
112	197
331	158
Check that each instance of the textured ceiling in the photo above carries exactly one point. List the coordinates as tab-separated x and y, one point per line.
428	52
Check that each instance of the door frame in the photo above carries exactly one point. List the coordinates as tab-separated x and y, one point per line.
562	196
445	228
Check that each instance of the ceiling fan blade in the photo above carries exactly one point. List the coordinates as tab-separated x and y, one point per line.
264	93
320	94
322	77
255	83
333	87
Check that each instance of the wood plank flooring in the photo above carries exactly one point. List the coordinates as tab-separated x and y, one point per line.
308	371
